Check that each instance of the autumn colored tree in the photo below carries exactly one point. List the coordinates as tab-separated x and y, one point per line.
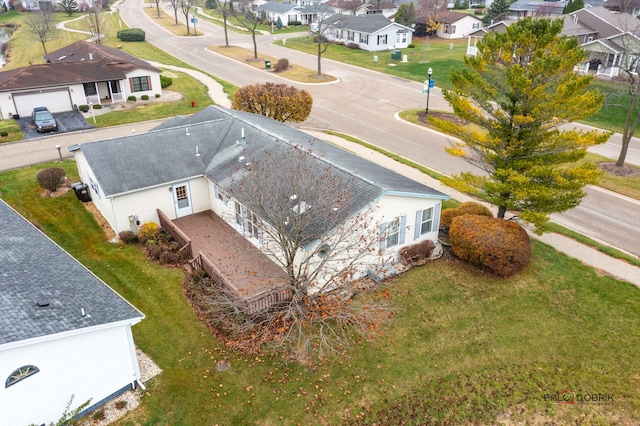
278	101
518	91
428	13
302	206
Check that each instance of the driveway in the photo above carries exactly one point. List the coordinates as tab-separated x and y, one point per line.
69	121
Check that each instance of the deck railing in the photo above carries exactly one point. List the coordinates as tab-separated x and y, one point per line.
250	305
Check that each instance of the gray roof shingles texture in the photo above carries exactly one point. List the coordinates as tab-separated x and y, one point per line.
366	24
35	269
169	153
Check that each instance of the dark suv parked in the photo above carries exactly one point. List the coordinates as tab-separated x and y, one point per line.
43	120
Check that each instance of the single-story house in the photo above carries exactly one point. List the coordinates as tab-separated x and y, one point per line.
610	39
189	165
63	332
358	8
82	73
370	32
455	25
292	12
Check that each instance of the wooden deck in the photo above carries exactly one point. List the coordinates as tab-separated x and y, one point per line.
249	273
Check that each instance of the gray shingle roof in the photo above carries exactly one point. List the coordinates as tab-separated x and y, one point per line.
80	62
368	24
168	154
35	269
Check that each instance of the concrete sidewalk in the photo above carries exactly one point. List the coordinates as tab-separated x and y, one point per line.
587	255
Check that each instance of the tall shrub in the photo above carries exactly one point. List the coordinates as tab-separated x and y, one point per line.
498	245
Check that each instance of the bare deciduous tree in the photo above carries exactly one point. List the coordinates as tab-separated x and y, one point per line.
94	22
185	7
40	26
305	207
226	8
248	20
324	18
175	6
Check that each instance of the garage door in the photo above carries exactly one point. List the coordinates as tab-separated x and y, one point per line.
55	100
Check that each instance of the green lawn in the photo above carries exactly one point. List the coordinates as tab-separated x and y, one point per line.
463	347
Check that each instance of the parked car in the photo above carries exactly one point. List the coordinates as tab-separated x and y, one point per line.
43	120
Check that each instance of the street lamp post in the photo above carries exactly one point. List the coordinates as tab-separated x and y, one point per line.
93	113
428	83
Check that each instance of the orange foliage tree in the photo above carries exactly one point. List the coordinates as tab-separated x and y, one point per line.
498	245
278	101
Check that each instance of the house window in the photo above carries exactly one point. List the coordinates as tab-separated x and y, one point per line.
425	218
291	18
220	194
181	196
20	374
453	29
382	39
401	38
446	28
392	232
140	84
364	38
350	36
476	25
590	39
90	89
253	225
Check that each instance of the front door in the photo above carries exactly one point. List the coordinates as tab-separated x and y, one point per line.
182	199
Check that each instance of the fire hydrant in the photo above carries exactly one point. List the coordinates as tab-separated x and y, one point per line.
193	104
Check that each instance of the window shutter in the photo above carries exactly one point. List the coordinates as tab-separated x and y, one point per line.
131	84
403	228
383	236
416	231
149	82
435	223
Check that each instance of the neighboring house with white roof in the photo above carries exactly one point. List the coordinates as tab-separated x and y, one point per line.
82	73
63	332
305	14
370	32
187	167
454	25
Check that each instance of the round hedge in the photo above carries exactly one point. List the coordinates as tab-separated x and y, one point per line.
469	207
498	245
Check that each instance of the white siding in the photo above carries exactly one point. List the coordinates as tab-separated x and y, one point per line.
154	79
91	365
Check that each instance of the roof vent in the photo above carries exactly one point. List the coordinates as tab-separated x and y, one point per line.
91	56
243	140
42	303
197	151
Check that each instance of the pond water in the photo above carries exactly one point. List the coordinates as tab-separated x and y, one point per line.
5	35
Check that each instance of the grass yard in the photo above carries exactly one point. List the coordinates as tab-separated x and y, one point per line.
295	72
463	347
439	54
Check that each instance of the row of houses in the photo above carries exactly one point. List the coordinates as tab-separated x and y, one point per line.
611	39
